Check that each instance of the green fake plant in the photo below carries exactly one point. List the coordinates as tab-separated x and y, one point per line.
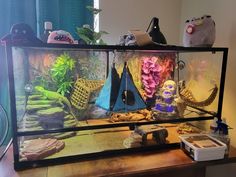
62	73
87	34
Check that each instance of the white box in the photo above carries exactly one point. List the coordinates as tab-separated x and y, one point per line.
202	147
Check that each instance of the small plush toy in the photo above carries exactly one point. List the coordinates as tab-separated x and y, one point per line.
199	32
21	33
60	37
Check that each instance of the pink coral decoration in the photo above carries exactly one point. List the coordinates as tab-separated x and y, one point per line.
150	75
154	72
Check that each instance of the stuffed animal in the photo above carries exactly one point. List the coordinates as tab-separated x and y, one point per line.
21	33
60	37
199	32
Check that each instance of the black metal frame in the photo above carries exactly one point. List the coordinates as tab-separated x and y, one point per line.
177	49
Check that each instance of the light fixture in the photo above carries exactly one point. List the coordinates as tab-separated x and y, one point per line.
155	32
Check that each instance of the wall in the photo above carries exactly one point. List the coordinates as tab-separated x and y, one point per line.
119	16
223	14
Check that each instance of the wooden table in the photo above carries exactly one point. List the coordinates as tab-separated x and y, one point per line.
163	163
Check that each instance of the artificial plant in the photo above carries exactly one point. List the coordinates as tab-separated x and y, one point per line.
89	35
62	73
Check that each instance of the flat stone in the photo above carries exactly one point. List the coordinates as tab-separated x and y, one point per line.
33	108
35	97
40	102
70	124
31	124
69	117
31	117
55	112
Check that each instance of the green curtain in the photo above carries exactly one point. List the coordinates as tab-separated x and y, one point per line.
12	11
64	14
16	11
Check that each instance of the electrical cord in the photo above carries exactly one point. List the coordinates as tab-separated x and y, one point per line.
4	124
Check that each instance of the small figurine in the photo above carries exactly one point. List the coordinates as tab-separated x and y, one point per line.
165	103
60	37
21	33
222	127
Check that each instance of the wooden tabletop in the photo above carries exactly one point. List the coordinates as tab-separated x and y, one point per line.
162	162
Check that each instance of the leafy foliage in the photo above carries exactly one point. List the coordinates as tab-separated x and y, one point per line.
61	73
89	36
93	10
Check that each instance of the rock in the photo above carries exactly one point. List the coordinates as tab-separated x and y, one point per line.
33	129
31	124
37	149
69	117
28	117
40	102
70	123
43	114
33	108
51	118
35	97
55	112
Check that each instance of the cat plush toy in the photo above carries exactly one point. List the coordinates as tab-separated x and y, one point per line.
21	33
199	32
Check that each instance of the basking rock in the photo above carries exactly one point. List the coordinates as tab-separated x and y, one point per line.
31	124
35	97
70	123
37	149
33	129
69	117
41	102
48	124
28	117
55	112
33	108
51	118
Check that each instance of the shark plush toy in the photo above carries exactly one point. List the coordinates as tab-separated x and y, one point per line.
60	37
199	32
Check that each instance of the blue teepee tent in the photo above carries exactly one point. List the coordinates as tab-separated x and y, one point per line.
128	98
108	94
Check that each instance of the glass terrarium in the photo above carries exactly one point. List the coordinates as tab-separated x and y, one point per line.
70	101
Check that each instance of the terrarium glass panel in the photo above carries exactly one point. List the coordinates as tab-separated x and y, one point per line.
58	88
77	100
54	88
66	144
199	82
